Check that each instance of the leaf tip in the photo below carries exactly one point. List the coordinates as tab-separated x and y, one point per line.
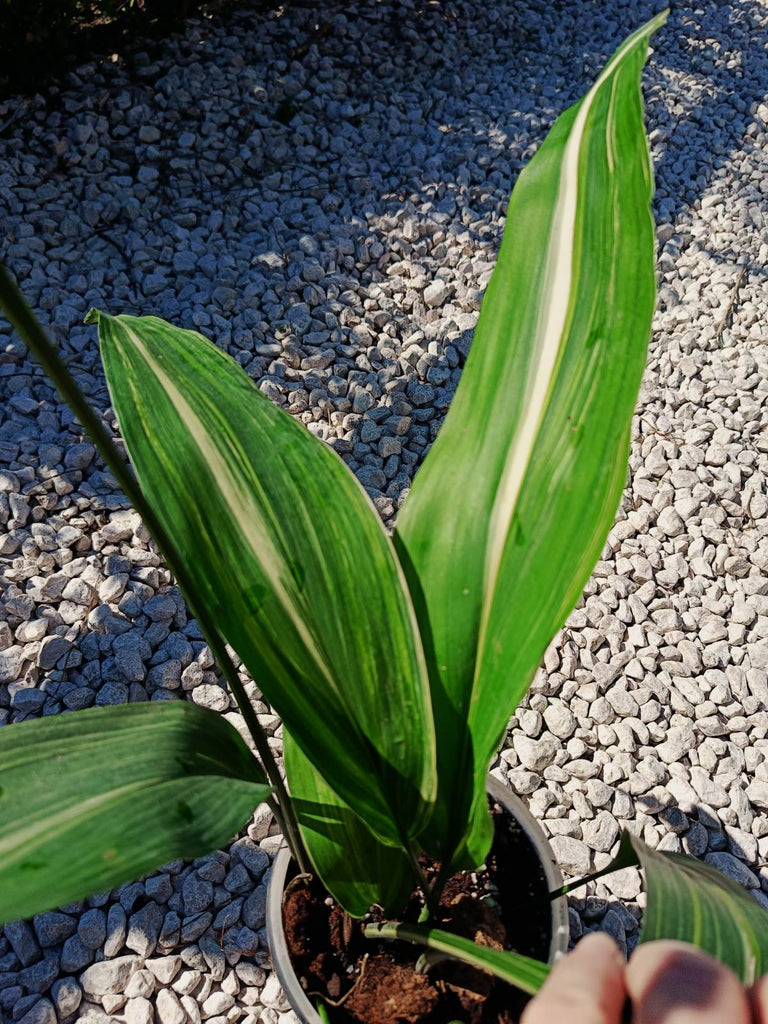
92	316
659	20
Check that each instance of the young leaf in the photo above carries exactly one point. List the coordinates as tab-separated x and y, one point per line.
512	506
291	559
688	900
694	902
521	971
356	868
322	1012
94	799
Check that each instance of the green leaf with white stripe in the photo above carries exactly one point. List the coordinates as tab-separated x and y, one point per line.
693	902
521	971
96	798
356	868
509	513
290	559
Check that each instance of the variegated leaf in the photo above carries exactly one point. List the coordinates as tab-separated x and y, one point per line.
356	868
96	798
521	971
693	902
291	561
512	506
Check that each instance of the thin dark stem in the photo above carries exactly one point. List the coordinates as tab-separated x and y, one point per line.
23	319
570	886
438	885
625	858
433	906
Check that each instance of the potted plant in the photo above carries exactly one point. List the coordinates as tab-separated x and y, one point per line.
395	663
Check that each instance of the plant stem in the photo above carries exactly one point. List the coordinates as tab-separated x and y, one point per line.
439	883
625	858
570	886
433	906
30	330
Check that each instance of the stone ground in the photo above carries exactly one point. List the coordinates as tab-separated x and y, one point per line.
322	192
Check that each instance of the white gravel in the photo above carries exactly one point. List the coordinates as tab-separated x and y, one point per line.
341	258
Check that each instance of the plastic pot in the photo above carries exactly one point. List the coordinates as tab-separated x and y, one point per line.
504	796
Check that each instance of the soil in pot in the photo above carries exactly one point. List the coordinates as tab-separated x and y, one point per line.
363	982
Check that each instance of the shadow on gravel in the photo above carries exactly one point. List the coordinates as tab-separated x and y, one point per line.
604	914
688	826
698	138
717	115
458	162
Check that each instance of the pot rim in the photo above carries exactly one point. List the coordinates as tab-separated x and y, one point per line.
503	795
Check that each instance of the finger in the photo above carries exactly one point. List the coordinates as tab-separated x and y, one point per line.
586	987
674	983
759	999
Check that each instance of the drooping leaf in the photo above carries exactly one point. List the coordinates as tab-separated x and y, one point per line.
357	869
292	561
521	971
96	798
20	316
512	506
687	900
693	902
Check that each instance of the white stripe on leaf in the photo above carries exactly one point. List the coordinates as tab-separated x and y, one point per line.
245	512
551	335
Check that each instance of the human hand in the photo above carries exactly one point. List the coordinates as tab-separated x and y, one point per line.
666	982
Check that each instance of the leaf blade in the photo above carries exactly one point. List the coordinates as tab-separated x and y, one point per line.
497	548
94	799
356	868
691	901
521	971
286	541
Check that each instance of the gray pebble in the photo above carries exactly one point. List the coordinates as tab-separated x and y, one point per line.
51	650
43	1012
67	996
75	955
40	976
53	928
116	930
144	929
92	928
254	908
734	868
23	943
198	894
248	853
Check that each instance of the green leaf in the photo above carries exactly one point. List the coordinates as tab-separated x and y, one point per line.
521	971
357	869
292	562
96	798
322	1012
512	506
21	317
693	902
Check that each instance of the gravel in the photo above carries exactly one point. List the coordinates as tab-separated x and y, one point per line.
322	191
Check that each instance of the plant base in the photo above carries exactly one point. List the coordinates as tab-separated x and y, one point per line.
363	982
